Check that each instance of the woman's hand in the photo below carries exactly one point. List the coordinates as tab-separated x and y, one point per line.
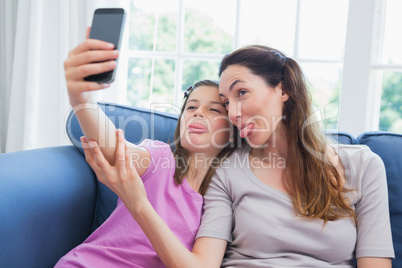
88	58
122	178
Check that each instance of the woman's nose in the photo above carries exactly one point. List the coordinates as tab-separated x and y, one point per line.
234	112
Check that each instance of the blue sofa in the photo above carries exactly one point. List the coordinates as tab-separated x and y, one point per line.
50	200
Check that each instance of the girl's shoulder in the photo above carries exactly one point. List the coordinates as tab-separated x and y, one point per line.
161	158
154	144
156	148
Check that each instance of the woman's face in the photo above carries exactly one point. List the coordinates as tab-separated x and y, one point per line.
254	107
204	125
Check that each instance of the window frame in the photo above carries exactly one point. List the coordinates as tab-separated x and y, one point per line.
360	100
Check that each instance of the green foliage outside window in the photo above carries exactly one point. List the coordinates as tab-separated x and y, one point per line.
201	35
142	29
391	103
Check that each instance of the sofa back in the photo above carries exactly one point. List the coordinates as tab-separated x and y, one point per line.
341	137
139	124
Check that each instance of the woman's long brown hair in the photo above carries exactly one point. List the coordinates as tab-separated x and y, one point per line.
182	156
314	184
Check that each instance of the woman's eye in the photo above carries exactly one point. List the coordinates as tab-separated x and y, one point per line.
226	104
191	107
241	92
215	110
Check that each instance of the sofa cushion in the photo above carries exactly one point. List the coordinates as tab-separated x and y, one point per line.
152	125
389	147
48	199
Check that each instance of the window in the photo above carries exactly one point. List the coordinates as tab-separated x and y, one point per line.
174	43
391	102
388	69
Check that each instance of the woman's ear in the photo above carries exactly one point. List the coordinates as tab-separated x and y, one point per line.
284	95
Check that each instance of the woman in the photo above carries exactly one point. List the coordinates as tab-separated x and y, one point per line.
287	198
175	180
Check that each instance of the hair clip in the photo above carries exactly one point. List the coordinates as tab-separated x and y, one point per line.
187	92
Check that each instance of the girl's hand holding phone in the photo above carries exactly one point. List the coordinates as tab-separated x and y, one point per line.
88	58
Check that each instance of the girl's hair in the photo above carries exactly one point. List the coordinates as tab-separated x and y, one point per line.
314	184
182	156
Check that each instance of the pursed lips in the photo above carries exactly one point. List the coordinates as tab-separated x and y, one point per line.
246	129
197	128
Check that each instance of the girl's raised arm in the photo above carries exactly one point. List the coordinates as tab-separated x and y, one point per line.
88	58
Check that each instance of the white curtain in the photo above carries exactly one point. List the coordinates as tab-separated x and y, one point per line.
34	101
8	10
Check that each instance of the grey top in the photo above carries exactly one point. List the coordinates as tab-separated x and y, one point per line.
260	225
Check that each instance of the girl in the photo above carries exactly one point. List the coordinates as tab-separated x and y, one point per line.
175	181
287	198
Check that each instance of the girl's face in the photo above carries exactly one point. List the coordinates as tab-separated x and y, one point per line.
254	107
204	125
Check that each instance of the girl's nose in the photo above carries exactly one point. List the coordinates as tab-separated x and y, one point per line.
199	112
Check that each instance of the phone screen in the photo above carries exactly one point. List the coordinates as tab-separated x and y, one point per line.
107	25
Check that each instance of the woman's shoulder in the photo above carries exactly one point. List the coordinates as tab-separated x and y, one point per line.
356	153
232	166
360	163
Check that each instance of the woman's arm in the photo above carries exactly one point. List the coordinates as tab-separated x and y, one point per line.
374	263
374	247
207	252
127	184
93	57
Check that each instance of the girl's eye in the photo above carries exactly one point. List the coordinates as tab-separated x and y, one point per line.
191	107
215	110
226	104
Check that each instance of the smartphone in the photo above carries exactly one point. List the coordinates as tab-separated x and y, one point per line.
107	25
